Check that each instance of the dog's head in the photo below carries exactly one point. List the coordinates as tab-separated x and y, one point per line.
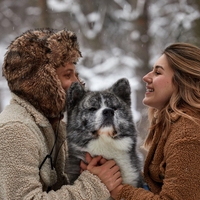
93	114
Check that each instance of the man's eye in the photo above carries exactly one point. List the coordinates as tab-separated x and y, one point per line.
67	75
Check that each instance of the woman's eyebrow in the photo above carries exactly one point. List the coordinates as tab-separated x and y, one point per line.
159	67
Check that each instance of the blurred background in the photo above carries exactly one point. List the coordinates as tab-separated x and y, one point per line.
118	38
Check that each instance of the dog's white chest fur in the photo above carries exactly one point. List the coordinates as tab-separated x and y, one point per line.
115	149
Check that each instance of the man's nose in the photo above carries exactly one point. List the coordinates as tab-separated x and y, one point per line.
75	79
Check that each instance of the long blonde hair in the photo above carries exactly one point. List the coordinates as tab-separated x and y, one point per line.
184	59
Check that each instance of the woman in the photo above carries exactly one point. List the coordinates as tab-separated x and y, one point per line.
172	166
39	67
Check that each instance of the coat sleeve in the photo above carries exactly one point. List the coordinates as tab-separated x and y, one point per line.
19	171
182	174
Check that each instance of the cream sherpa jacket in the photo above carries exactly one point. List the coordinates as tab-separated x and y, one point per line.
26	137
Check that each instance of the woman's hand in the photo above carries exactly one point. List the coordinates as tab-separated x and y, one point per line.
107	171
115	191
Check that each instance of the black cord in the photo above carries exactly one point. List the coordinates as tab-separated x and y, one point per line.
51	161
50	155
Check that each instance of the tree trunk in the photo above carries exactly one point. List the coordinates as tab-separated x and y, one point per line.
44	16
196	29
142	52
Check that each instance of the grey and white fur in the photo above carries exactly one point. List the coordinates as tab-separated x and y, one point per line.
101	123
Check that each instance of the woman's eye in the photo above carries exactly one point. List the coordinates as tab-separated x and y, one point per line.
157	72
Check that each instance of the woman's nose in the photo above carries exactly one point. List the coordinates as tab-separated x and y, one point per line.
147	78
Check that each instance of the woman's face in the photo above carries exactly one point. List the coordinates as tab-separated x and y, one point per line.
67	75
159	85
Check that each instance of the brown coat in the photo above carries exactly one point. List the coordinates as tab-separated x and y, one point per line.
172	167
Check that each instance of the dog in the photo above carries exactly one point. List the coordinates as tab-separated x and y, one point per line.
101	123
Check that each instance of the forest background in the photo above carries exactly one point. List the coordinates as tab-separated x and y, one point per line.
118	38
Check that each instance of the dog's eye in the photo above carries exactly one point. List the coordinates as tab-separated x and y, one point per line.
113	107
92	109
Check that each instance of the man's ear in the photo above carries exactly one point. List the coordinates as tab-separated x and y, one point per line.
74	95
122	89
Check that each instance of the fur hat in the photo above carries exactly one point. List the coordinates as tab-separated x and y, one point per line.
30	67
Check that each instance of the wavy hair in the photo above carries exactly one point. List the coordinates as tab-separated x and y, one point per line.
184	59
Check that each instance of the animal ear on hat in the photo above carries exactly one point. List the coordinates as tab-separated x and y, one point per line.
122	89
64	48
75	94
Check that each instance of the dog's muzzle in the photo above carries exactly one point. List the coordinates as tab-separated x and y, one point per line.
108	117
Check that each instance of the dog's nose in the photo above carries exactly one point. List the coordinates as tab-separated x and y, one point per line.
108	112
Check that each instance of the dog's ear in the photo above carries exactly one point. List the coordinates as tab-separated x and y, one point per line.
122	89
74	94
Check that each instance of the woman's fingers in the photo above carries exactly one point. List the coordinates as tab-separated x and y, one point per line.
83	166
102	161
88	157
93	163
